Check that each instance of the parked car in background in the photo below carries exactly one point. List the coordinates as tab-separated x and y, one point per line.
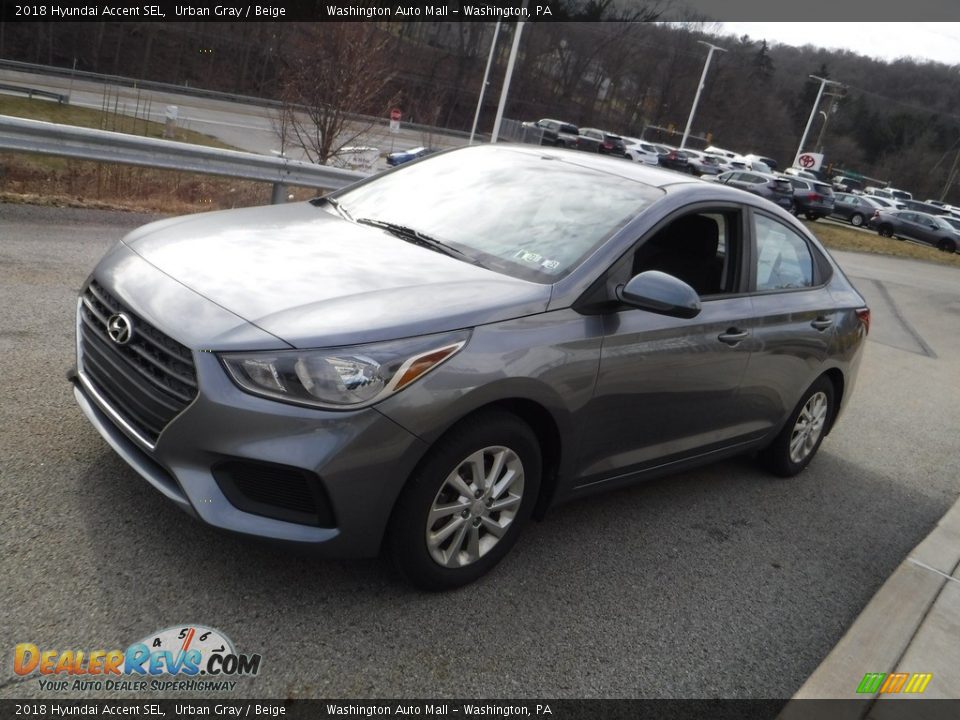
775	189
700	163
557	132
765	161
729	154
402	156
276	371
641	151
884	202
923	207
801	173
952	220
883	197
855	209
675	159
606	143
727	163
922	227
847	184
811	198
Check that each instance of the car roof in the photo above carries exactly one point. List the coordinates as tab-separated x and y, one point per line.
646	174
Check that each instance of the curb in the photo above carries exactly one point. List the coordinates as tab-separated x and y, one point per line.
890	626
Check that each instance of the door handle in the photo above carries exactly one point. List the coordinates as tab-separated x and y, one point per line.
733	336
821	323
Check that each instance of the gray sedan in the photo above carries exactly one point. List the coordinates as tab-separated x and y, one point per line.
775	189
420	363
858	209
928	229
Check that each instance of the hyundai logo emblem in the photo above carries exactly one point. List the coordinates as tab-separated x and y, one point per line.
120	328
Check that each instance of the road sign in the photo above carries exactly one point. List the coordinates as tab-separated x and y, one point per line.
395	116
809	161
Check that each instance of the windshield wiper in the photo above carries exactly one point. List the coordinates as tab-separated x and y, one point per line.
335	204
418	238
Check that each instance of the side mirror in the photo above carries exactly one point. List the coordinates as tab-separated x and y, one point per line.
661	293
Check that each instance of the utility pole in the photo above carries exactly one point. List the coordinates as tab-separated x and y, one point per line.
834	103
813	113
486	74
696	97
950	177
506	81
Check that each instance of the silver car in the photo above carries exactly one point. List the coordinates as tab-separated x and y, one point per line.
421	362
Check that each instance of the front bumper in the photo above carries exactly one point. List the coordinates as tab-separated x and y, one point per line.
362	459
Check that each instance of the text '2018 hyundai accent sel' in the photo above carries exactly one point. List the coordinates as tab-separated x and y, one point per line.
418	363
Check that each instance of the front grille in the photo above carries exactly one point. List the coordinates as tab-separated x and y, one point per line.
149	380
275	491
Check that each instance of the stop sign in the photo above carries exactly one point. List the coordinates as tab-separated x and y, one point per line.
395	114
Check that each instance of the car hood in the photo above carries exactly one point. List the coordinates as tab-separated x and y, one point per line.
314	279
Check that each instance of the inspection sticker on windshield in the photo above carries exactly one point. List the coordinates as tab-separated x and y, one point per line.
537	259
527	256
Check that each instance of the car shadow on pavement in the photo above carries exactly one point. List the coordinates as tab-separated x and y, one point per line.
743	580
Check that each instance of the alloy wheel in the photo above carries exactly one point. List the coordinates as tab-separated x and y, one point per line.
475	506
808	427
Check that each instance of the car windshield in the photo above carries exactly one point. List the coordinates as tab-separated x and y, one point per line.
954	223
524	214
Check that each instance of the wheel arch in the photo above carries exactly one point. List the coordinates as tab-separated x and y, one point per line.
545	426
835	376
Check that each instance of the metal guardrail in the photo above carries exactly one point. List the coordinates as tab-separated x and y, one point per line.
155	86
34	136
33	92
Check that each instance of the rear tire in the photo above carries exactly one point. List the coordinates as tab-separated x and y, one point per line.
465	506
800	438
856	220
812	216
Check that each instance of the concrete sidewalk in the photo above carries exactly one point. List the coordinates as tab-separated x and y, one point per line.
912	625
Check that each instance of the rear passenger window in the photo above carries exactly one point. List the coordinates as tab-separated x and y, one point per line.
783	260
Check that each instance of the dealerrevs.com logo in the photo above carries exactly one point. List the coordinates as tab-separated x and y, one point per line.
187	657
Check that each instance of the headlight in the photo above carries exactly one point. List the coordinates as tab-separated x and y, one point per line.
341	378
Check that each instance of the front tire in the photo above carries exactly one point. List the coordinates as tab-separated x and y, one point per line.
464	508
798	442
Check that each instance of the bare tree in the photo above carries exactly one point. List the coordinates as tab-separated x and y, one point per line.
332	73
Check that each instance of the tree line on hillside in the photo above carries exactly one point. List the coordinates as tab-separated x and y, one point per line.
898	121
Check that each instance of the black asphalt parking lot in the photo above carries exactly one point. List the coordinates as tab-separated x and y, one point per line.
720	582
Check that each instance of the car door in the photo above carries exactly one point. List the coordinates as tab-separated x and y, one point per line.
794	320
909	226
667	387
927	229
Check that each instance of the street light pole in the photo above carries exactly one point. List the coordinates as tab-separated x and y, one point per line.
483	88
813	113
696	98
509	76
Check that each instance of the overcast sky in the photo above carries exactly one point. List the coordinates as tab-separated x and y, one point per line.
938	41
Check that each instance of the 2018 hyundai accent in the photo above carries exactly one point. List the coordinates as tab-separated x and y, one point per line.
419	363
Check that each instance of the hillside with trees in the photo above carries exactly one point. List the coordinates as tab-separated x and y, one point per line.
895	121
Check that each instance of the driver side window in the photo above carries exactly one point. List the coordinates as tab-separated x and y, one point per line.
702	249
